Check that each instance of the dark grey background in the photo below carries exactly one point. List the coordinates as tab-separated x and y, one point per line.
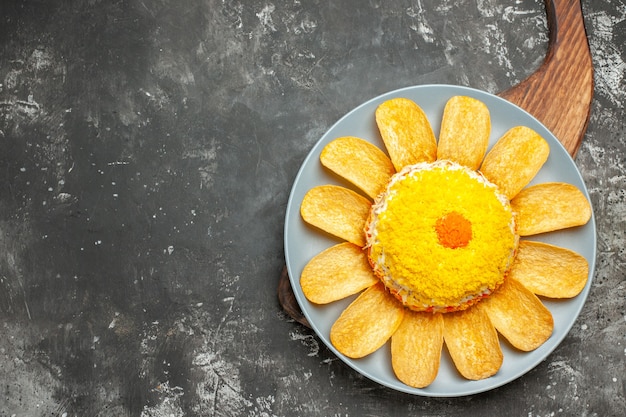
147	149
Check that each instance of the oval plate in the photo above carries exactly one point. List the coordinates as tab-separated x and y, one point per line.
302	242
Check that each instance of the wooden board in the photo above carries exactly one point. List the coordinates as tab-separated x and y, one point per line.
560	91
558	94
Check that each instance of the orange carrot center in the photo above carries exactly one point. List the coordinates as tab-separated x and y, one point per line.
453	230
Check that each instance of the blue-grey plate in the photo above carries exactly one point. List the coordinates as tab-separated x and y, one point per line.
302	242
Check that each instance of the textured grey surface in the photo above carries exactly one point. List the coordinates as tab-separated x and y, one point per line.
147	149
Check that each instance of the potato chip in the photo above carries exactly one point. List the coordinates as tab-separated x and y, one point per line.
519	315
416	348
465	130
359	162
515	159
473	343
338	211
549	270
367	323
336	273
550	206
406	131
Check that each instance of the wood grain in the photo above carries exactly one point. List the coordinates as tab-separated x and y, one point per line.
560	91
558	94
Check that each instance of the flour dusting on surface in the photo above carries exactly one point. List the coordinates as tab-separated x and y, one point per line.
169	403
265	18
308	340
421	26
609	65
207	160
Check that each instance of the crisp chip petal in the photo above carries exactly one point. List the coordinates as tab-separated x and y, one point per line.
473	343
549	270
336	273
465	130
519	315
360	162
416	348
406	132
550	206
338	211
367	323
515	159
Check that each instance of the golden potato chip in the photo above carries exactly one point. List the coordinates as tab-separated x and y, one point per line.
550	206
465	130
416	348
338	211
359	162
515	159
406	131
519	315
473	343
549	270
367	323
336	273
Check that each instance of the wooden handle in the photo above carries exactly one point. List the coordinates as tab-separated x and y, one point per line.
558	94
287	299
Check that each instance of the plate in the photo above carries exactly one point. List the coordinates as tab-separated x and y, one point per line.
302	242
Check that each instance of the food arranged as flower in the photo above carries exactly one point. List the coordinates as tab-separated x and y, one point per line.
433	244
